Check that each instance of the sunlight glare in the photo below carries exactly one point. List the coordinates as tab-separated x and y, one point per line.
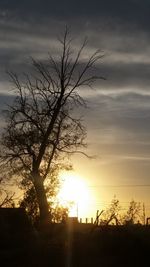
74	190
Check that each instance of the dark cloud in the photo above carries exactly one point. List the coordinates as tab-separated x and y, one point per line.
128	75
5	100
135	11
28	28
119	124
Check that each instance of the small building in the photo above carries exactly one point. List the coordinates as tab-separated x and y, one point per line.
14	219
72	220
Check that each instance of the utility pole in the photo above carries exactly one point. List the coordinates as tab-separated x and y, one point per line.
144	214
77	210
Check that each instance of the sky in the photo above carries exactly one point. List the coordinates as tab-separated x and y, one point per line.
118	116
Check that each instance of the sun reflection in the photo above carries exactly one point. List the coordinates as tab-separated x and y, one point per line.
74	191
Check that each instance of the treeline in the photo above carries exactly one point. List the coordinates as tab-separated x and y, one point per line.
135	214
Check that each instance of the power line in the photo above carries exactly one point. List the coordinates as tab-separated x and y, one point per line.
127	185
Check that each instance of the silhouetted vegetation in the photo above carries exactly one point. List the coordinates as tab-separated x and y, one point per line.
114	214
6	198
42	128
71	245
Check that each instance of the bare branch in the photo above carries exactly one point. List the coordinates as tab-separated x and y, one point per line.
6	199
41	128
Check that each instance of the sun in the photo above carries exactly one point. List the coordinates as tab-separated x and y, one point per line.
74	191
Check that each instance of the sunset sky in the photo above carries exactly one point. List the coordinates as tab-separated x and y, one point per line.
118	114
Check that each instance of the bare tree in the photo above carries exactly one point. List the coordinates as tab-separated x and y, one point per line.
41	128
112	213
133	214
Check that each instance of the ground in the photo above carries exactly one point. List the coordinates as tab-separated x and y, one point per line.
75	246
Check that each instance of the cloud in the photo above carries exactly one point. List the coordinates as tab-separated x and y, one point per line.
126	10
118	118
126	62
119	125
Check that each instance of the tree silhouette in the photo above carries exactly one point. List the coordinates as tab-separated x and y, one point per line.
41	124
133	214
6	198
111	213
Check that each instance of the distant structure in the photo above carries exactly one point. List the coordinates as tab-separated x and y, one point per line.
148	221
72	220
12	219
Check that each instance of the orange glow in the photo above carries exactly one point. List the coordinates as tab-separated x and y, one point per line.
74	190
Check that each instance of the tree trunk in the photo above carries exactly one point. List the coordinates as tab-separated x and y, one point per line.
42	200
